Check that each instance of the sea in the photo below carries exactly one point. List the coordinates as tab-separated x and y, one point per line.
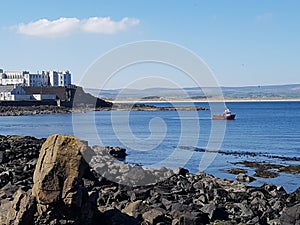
267	132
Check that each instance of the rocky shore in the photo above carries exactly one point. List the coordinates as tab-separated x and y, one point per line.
146	107
31	110
50	109
62	180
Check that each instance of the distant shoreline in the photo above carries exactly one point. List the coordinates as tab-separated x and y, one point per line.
204	100
122	105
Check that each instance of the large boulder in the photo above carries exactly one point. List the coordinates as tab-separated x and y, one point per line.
59	170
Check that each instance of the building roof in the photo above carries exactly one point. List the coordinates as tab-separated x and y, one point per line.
61	92
6	88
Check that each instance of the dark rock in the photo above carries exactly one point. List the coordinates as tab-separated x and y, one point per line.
244	178
181	171
181	207
294	198
245	211
291	216
89	212
265	173
214	212
154	216
190	218
166	203
118	152
120	193
255	220
237	171
139	194
136	209
115	217
198	185
5	177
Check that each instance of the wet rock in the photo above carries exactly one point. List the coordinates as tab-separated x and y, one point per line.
265	173
244	178
237	171
290	169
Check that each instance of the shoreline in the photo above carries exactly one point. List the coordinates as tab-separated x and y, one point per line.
46	109
203	101
141	105
246	163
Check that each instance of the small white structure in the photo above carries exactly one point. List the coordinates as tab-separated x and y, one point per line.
13	93
40	97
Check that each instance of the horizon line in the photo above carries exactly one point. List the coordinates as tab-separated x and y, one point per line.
222	86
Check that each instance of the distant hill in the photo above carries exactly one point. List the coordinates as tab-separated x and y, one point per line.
290	91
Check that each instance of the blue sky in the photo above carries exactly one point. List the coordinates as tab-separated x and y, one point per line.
243	42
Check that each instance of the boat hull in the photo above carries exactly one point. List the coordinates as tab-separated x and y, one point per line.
221	117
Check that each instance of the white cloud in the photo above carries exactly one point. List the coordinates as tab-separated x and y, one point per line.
66	26
46	28
107	26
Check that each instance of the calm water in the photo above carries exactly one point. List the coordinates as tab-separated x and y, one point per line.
266	128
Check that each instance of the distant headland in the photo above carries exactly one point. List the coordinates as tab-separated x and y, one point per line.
23	93
287	92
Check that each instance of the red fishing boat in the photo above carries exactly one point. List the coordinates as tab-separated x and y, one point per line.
223	117
226	116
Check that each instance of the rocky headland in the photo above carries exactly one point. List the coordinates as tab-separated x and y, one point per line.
62	180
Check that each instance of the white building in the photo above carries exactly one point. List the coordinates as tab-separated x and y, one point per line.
13	93
12	77
59	78
39	79
45	78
